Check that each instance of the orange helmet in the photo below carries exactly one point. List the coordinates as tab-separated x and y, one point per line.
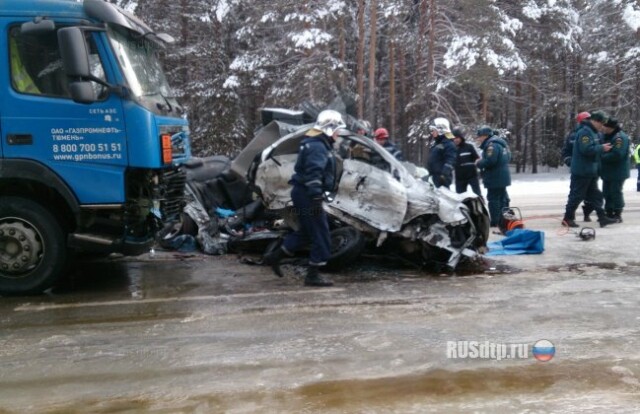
381	133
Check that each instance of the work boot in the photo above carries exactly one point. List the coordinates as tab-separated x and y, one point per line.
273	259
314	278
586	211
605	221
567	222
617	216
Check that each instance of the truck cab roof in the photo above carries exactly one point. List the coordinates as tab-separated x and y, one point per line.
58	8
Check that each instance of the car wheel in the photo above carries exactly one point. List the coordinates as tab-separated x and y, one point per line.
32	247
272	246
347	243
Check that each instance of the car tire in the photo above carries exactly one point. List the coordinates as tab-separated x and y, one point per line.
33	251
347	243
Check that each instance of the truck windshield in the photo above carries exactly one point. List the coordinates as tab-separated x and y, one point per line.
140	63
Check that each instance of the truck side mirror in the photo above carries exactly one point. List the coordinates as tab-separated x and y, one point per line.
75	59
82	92
74	52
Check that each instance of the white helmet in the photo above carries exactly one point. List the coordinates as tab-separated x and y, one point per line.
329	121
441	125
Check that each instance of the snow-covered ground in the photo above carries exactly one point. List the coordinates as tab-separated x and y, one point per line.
541	199
553	181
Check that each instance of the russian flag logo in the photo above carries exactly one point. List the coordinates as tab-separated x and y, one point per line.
544	350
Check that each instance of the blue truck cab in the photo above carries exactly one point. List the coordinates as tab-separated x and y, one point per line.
92	139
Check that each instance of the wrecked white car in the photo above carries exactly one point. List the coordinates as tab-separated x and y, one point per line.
378	196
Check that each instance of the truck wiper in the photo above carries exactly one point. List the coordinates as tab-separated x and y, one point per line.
160	106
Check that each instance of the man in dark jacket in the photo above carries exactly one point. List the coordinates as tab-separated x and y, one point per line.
584	170
614	169
442	154
466	170
567	149
382	137
314	173
494	167
567	153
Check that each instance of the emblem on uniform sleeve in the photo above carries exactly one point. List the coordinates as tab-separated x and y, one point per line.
618	143
489	150
585	139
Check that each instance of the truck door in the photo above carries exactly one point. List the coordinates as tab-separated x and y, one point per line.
85	144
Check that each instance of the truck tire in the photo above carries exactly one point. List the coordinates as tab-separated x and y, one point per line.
32	247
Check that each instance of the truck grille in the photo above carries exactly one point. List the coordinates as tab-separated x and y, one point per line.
171	194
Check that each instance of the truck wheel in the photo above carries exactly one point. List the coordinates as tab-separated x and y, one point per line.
347	243
32	247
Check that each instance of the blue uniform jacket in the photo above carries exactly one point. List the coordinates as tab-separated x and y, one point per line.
494	164
567	149
585	159
615	163
393	150
315	167
442	158
466	162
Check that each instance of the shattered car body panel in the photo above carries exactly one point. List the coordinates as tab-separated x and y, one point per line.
379	196
366	192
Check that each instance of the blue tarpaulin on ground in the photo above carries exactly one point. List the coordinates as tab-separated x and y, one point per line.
518	241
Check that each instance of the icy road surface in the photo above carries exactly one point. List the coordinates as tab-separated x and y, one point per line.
201	334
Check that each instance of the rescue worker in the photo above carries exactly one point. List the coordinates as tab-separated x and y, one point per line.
584	170
314	173
567	153
466	170
382	137
363	127
615	168
442	154
494	168
567	149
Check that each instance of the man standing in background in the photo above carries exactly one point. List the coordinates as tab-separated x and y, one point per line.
584	170
615	168
466	170
442	154
382	137
494	168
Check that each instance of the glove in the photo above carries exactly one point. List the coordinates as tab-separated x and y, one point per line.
328	196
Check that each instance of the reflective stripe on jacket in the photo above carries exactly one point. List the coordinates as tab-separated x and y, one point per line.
315	167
